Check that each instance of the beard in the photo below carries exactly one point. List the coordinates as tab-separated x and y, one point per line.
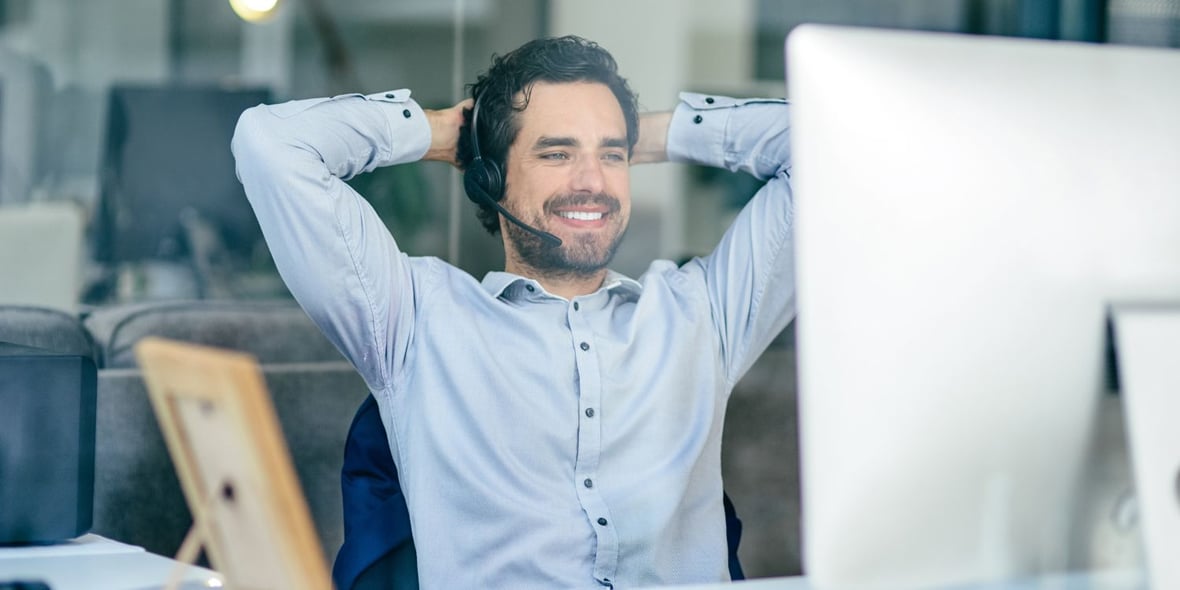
580	255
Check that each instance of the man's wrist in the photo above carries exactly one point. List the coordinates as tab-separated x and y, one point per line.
445	127
652	145
442	138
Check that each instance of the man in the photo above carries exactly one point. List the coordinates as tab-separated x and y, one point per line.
557	424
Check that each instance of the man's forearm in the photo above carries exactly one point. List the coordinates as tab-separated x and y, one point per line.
348	134
747	135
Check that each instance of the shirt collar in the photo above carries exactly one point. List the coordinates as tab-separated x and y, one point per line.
507	285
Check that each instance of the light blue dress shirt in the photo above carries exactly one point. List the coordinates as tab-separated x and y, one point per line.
541	442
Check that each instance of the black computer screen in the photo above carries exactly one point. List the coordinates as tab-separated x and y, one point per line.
167	150
47	438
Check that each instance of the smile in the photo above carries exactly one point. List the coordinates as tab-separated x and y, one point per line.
581	215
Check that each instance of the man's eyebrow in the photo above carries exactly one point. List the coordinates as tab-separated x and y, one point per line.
614	142
545	142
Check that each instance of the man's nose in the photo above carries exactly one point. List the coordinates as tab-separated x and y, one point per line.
588	176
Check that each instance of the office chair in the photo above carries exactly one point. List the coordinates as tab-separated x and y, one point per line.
378	551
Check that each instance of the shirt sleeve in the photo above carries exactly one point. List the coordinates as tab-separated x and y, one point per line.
750	275
332	250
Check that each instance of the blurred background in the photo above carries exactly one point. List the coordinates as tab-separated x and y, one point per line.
116	182
117	185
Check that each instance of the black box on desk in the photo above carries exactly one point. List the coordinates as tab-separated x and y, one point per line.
47	423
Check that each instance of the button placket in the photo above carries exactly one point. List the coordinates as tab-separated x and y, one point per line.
590	445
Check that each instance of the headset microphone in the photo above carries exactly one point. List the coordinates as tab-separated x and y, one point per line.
484	183
550	240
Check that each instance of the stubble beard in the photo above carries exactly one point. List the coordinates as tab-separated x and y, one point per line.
579	256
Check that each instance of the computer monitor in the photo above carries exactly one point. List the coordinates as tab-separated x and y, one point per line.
167	152
967	209
47	437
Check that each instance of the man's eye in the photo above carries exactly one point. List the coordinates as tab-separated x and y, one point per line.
615	157
554	156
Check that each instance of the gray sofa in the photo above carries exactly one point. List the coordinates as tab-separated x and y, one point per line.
315	392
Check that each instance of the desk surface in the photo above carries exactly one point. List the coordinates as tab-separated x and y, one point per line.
96	563
92	562
1100	580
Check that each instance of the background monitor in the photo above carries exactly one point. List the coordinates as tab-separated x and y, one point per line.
47	437
967	209
167	152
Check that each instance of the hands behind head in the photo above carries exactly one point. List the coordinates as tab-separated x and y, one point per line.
445	127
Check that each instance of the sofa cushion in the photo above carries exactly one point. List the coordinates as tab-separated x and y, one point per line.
45	328
276	331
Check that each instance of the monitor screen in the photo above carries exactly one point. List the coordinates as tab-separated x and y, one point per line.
167	152
967	209
47	438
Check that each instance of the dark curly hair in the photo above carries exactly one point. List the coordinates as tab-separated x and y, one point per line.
552	59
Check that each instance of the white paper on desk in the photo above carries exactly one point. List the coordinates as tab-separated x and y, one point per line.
89	544
1148	344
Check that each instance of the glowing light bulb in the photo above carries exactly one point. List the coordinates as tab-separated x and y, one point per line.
254	10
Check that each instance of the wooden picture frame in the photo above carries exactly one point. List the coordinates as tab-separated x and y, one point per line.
222	432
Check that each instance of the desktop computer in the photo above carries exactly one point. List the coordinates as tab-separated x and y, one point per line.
47	429
968	208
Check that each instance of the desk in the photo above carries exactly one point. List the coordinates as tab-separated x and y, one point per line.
92	562
97	563
1099	580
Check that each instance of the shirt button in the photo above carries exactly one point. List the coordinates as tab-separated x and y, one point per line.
390	95
406	113
530	288
584	346
697	119
589	412
709	100
602	521
576	306
588	483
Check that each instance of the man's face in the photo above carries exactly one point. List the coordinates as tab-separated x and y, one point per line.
568	174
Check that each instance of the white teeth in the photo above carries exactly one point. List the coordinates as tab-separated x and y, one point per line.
581	215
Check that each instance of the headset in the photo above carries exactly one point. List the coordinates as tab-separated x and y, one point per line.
483	181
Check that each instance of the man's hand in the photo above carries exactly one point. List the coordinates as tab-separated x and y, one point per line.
445	126
652	145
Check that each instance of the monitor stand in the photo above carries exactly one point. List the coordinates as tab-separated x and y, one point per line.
1148	344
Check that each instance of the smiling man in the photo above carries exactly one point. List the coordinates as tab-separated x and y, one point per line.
555	425
569	167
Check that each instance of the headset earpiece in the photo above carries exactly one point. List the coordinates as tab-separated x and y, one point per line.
483	179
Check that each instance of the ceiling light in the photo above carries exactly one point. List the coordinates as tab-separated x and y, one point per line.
254	10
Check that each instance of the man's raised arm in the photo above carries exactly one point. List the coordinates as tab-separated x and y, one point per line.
332	250
750	275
